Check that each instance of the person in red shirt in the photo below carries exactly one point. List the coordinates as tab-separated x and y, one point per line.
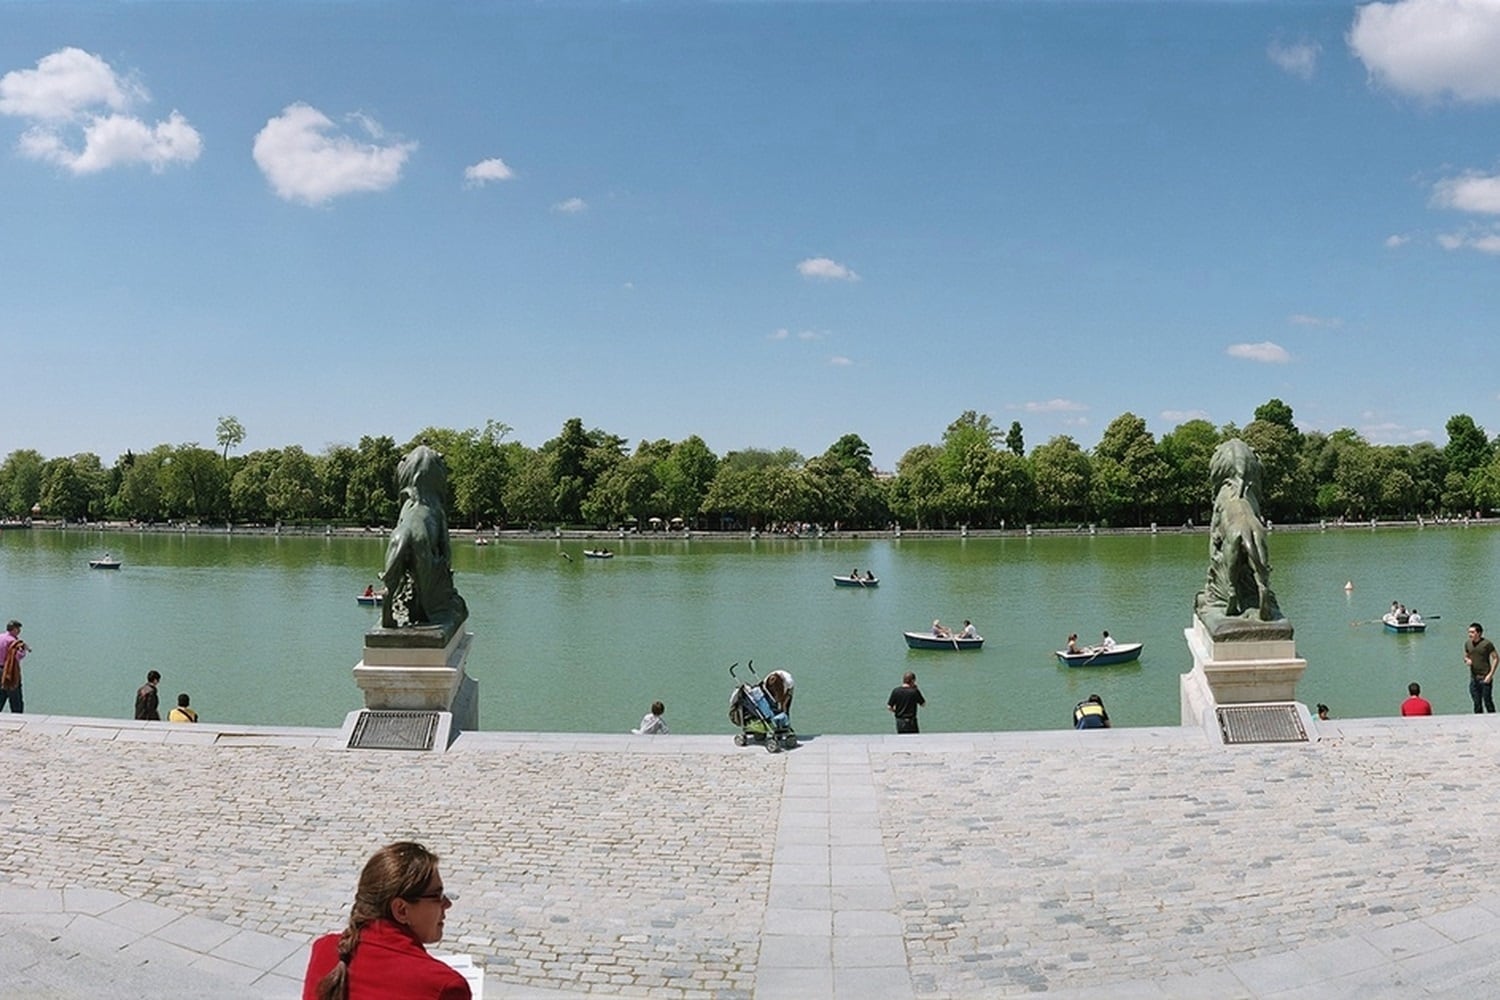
399	906
1416	704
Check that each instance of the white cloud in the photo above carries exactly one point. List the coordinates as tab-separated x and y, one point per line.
1299	59
571	206
1319	322
77	106
1483	242
1265	351
1429	48
824	269
1396	240
1054	406
66	85
804	335
1473	192
839	361
485	171
305	163
1183	416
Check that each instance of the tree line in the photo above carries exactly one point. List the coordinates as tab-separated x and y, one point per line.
977	475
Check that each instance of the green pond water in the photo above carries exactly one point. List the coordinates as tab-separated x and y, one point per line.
265	629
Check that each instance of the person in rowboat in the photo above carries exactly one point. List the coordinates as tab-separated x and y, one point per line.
1107	643
967	632
1073	643
940	630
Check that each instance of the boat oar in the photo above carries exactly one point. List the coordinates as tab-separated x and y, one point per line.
1097	651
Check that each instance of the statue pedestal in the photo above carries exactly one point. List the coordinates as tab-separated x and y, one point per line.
1236	672
419	669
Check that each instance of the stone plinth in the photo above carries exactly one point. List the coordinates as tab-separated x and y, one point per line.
423	673
1237	672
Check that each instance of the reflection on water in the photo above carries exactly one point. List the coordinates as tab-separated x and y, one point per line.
266	629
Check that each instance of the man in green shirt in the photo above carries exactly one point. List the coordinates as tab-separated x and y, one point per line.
1480	655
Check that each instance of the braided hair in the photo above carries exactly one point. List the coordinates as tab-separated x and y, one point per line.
396	871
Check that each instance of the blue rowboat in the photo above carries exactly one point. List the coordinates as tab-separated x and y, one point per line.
1093	656
855	581
369	600
926	640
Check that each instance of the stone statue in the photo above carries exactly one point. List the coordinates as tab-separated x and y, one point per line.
1237	600
418	572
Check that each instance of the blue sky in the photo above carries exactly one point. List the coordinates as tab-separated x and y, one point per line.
769	224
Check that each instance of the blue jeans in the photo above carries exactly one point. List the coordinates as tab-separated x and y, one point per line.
14	698
1483	695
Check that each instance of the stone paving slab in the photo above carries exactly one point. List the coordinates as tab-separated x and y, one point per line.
1141	863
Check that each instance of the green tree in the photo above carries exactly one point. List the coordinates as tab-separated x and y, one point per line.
371	498
684	476
627	491
293	488
1015	442
247	490
479	488
1186	450
1130	477
140	496
339	463
1286	491
21	482
528	492
230	434
917	493
1467	448
1356	474
67	492
1274	411
194	485
1063	474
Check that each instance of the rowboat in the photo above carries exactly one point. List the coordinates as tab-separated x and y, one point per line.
107	561
1394	624
1093	656
855	581
369	600
598	554
926	640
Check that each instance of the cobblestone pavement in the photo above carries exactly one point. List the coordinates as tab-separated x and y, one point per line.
1142	862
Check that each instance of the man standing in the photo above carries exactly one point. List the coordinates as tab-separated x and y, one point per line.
12	651
903	703
1480	655
145	699
1416	704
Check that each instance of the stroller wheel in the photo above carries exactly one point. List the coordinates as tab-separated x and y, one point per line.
789	741
739	739
773	745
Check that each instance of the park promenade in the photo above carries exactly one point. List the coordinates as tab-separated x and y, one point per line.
151	860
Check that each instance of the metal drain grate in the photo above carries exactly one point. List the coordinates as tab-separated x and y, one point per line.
394	731
1261	724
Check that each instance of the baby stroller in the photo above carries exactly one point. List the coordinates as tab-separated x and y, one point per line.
761	710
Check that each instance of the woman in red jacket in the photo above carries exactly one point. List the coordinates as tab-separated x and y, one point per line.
399	907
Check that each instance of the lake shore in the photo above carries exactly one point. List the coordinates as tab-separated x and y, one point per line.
482	535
